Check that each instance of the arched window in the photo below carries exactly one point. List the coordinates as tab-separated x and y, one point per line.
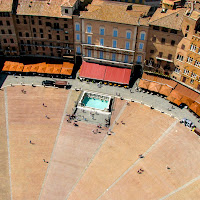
142	35
128	34
89	29
187	28
77	26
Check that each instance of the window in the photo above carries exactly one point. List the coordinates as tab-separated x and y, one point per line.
197	63
65	25
64	19
49	36
128	34
41	30
66	11
77	27
179	57
41	35
142	35
172	42
33	22
101	41
48	23
8	23
192	81
113	56
34	30
189	60
102	31
89	53
4	40
66	37
115	32
163	40
186	71
9	31
169	56
89	29
1	23
78	49
165	29
89	39
160	54
153	39
155	27
18	22
27	34
2	32
20	34
77	37
28	42
193	47
173	31
151	51
101	54
25	22
186	35
141	45
43	48
127	45
193	75
11	40
139	59
40	22
187	28
34	35
126	58
114	43
58	37
182	46
177	70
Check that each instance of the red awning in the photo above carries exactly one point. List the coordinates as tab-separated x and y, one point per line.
92	70
117	75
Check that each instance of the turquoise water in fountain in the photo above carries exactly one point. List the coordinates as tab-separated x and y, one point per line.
95	103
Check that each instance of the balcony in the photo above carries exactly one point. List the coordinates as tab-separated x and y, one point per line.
163	59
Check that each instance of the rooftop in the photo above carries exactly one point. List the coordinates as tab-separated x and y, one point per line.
170	19
117	12
50	8
6	5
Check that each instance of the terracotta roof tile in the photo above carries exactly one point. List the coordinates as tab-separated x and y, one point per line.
41	8
6	5
116	12
171	19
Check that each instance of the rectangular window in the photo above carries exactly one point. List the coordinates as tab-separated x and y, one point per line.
177	70
155	27
66	37
2	32
25	22
128	35
27	34
65	25
58	37
102	31
115	33
127	45
41	35
66	11
151	51
89	53
89	29
1	23
77	27
9	31
170	56
33	22
139	59
141	45
126	58
163	40
153	39
172	42
89	39
114	44
49	36
173	31
8	23
101	41
182	46
77	37
11	40
34	30
165	29
40	22
34	35
160	54
78	49
48	23
113	56
101	54
4	40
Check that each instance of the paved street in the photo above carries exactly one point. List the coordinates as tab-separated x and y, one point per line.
148	99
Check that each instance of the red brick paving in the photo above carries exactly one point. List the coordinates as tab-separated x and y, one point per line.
142	128
74	150
27	121
179	150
